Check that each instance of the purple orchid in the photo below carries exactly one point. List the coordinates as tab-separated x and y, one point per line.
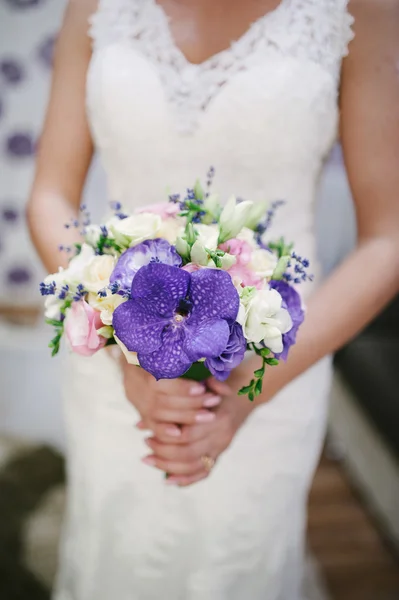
175	318
292	302
158	251
232	355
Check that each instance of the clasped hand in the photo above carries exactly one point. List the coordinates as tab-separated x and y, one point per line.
187	420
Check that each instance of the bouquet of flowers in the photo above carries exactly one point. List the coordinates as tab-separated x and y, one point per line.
185	288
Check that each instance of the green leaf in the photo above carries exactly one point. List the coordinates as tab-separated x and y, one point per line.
55	350
54	322
258	387
198	191
260	372
245	390
272	361
251	396
264	352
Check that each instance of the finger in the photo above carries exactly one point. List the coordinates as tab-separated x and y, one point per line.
176	468
179	387
185	480
173	434
182	417
188	402
219	387
178	453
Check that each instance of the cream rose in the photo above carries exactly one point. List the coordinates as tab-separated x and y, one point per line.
137	228
106	306
97	273
263	263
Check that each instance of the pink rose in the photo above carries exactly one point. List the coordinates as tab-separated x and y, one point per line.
241	269
164	209
81	326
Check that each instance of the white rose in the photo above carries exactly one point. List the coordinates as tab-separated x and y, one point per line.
233	218
207	235
76	268
131	357
137	228
263	263
106	306
97	273
265	321
171	229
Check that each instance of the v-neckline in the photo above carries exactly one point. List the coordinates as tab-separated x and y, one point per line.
180	55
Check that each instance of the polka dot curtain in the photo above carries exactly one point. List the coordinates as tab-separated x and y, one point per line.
28	29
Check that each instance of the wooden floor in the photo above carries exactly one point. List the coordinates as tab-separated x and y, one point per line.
355	562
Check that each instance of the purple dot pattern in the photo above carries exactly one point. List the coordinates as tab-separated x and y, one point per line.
19	275
10	214
23	3
45	52
20	145
12	71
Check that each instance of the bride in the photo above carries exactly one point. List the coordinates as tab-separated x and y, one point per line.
255	89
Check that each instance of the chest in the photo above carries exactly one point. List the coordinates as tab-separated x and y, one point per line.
281	74
205	28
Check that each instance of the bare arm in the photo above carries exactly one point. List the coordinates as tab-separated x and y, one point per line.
65	146
369	277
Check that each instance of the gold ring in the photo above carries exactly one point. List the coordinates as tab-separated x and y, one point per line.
208	462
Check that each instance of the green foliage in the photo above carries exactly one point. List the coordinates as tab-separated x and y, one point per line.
255	386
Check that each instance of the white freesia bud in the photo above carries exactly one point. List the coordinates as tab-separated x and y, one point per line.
199	255
233	218
131	357
92	234
265	320
182	247
137	228
281	267
227	261
257	212
97	273
212	204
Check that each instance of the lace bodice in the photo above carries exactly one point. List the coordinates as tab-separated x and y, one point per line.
263	112
319	31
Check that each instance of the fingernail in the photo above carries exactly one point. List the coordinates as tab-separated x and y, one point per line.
171	481
173	431
148	460
197	389
212	401
205	417
148	441
140	425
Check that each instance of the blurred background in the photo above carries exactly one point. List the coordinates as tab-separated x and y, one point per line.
354	505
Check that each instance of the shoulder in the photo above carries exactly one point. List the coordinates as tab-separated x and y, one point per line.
78	13
376	17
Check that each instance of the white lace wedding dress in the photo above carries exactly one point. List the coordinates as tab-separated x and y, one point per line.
264	114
